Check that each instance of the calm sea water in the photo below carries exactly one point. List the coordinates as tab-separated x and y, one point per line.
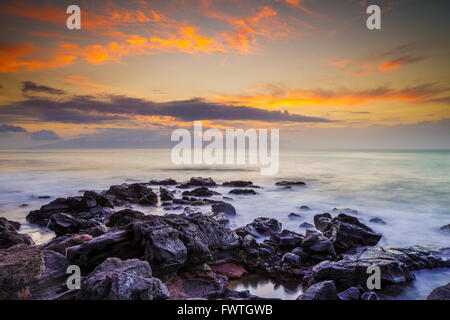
409	190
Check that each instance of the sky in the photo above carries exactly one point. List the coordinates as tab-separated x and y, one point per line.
137	70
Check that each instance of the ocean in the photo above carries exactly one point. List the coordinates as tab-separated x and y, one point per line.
409	190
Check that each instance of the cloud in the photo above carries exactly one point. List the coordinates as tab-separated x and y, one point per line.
5	128
399	62
45	135
422	93
33	87
102	108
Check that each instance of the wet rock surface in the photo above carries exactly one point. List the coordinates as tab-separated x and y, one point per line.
440	293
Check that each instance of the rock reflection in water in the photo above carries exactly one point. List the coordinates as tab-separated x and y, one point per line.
262	286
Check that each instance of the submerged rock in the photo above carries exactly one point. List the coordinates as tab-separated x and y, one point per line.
200	192
242	191
377	220
294	216
164	182
205	182
238	183
115	279
306	225
445	228
290	183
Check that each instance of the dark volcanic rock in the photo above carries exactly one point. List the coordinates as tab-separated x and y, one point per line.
115	279
200	192
290	183
395	263
347	232
6	224
20	266
306	225
352	293
260	226
377	220
440	293
133	193
229	294
370	295
238	183
168	243
224	207
62	223
165	194
445	228
203	182
52	282
325	290
9	235
305	208
164	182
124	217
242	191
322	221
318	246
294	216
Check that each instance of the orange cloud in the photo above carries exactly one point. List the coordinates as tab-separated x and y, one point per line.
13	58
398	63
298	4
424	93
340	63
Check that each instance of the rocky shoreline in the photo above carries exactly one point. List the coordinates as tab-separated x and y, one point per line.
125	254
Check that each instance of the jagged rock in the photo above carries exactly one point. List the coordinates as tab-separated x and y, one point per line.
115	279
440	293
124	217
395	263
287	239
9	225
52	282
204	182
165	194
168	243
133	193
221	218
318	246
377	220
224	207
294	216
62	223
322	221
347	232
325	290
9	235
290	183
88	206
292	259
200	192
164	182
243	191
20	266
238	183
306	225
445	228
260	226
352	293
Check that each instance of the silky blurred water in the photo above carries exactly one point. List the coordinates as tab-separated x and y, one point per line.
410	190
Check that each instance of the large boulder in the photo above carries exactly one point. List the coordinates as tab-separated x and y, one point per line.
168	243
164	182
224	207
318	246
440	293
132	193
165	194
115	279
395	263
260	226
20	266
346	232
9	235
62	223
202	182
325	290
200	192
